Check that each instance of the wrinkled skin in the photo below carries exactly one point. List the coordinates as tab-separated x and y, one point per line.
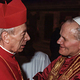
69	45
19	38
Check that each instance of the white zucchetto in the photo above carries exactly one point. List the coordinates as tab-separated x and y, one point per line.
77	19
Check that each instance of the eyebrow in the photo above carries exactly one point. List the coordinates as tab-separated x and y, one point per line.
64	38
25	30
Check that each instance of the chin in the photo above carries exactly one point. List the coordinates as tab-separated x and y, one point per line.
63	53
20	50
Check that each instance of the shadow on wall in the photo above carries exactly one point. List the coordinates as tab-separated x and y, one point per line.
54	47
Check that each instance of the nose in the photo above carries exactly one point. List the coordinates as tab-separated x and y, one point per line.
60	40
27	37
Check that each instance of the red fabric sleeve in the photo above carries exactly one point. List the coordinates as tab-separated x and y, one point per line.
5	73
44	74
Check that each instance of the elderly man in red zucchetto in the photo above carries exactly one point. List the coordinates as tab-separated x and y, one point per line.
13	38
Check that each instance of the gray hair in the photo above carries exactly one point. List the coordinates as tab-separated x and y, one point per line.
10	31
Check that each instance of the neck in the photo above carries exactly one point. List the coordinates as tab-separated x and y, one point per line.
6	49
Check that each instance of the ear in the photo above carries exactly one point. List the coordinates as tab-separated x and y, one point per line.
5	37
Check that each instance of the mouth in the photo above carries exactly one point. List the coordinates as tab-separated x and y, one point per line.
22	46
61	47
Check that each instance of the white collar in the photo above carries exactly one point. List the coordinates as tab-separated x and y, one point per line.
69	56
6	50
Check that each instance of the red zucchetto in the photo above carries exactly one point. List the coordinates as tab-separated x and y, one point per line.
12	14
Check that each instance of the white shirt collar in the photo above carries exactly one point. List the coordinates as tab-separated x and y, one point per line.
69	56
6	50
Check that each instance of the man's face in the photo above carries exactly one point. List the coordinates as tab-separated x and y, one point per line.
19	38
69	45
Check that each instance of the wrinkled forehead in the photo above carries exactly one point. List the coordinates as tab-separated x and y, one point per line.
69	27
20	28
